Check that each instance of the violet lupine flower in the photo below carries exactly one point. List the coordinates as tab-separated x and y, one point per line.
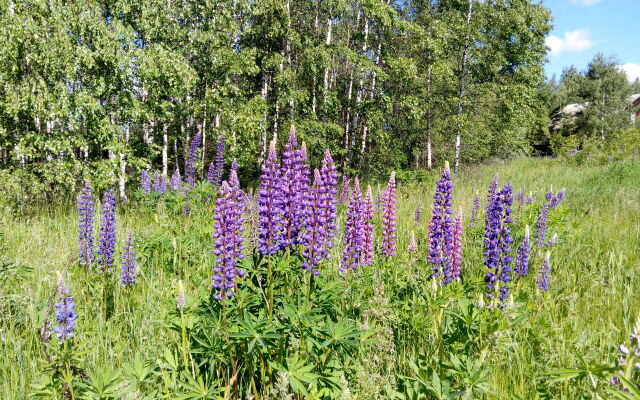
329	174
456	255
549	195
176	180
474	210
211	173
219	165
441	229
180	297
542	225
129	265
629	357
85	225
107	240
520	197
544	273
145	181
304	182
413	245
344	189
523	253
389	217
418	215
354	230
156	182
378	199
367	215
552	241
529	199
556	200
293	186
314	236
64	312
228	240
270	205
497	242
190	168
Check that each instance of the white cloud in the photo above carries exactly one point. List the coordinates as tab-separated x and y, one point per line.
632	70
573	41
585	2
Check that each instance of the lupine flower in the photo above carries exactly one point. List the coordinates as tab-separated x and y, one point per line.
314	236
354	230
497	241
129	265
85	225
556	200
474	210
107	240
190	168
211	173
552	242
629	359
418	215
186	208
530	198
542	225
145	181
368	228
329	174
156	182
219	165
545	272
344	189
228	240
389	217
180	298
270	203
523	254
520	197
549	195
64	312
294	185
176	180
413	245
441	229
456	255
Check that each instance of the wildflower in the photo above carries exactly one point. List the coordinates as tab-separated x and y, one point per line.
344	189
128	275
329	175
354	230
523	254
474	210
180	299
441	229
270	203
314	235
418	215
64	312
176	180
628	362
145	181
530	198
190	168
552	241
368	228
85	224
294	184
544	273
216	177
211	173
556	200
542	225
389	217
456	255
186	208
107	240
413	245
520	197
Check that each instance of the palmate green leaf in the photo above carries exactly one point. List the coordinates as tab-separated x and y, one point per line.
102	384
200	388
259	330
298	373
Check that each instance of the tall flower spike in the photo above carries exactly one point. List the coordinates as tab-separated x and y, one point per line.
368	228
163	184
544	275
523	254
190	168
145	181
228	240
474	210
542	225
129	265
413	245
156	182
314	235
65	311
389	217
441	229
180	297
418	215
520	197
219	165
293	186
270	205
211	173
497	242
344	189
329	174
552	241
176	180
85	224
456	255
530	198
107	240
354	230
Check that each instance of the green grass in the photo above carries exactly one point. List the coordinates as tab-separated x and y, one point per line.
591	307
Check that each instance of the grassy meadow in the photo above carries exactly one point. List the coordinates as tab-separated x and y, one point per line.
380	332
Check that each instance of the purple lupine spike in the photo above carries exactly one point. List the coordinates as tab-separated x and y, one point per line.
293	186
180	296
556	200
145	181
329	174
314	235
190	168
497	242
64	312
354	230
542	225
441	229
369	232
344	189
228	228
530	198
544	274
234	166
418	215
85	224
107	240
474	210
219	165
303	184
389	217
413	245
176	180
552	241
270	205
520	197
549	195
211	173
163	184
456	253
523	253
156	182
129	265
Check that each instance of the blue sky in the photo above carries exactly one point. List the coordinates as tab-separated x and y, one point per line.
582	28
